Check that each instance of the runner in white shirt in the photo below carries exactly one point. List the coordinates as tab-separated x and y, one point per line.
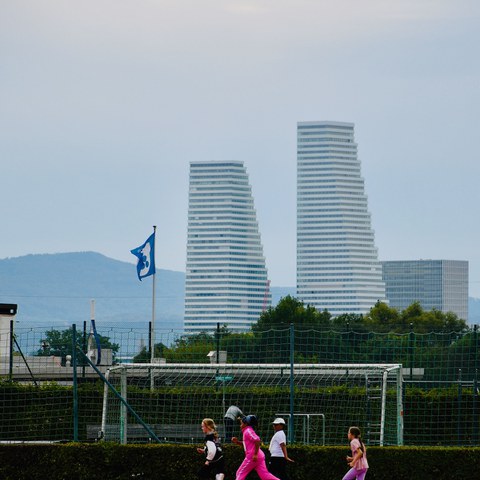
277	464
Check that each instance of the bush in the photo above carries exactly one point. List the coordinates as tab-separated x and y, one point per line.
171	462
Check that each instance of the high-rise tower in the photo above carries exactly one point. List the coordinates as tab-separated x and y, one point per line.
439	284
337	262
226	277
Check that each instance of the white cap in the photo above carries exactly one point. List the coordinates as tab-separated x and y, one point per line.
279	421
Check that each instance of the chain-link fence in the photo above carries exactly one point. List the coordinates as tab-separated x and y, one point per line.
440	373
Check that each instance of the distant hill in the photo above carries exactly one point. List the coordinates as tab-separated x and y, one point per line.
58	288
53	289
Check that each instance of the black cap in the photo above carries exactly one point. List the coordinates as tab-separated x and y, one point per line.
250	420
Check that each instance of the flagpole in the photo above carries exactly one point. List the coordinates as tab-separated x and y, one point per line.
152	333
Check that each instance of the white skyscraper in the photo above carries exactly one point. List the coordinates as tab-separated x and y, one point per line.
337	262
226	277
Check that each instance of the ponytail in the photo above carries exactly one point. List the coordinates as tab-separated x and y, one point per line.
362	445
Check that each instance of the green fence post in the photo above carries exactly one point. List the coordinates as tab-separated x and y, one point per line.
459	408
84	345
75	385
411	336
400	406
217	342
292	383
216	335
475	424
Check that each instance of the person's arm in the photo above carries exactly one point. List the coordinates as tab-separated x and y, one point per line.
211	450
236	441
285	454
358	455
256	449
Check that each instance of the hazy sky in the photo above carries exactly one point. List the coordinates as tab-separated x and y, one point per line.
103	104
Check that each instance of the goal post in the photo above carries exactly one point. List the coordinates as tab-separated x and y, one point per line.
323	399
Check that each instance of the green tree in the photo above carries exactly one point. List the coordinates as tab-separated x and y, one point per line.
291	310
59	342
382	318
431	321
143	356
240	347
272	334
349	321
191	348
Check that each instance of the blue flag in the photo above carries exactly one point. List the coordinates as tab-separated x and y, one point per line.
146	257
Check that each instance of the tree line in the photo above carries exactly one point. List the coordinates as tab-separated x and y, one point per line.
413	337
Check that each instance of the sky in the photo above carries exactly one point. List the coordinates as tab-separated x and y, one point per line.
104	103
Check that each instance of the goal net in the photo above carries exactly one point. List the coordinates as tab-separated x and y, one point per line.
319	402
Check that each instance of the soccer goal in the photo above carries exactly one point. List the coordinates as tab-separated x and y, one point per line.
319	401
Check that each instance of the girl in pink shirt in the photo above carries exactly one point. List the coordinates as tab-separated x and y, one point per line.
358	460
254	456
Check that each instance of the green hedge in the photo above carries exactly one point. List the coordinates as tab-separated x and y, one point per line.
168	462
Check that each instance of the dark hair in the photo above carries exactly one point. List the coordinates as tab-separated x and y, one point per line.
250	420
355	431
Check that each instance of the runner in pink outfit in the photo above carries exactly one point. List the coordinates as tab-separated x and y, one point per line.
254	456
358	460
